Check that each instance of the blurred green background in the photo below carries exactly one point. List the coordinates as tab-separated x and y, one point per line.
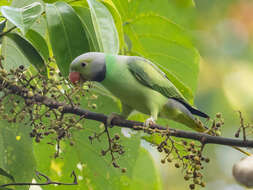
223	33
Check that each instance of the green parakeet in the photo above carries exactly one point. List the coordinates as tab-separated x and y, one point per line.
139	85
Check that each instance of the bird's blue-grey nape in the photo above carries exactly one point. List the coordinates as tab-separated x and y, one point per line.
100	75
89	55
86	56
99	65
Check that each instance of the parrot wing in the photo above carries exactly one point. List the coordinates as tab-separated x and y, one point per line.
151	76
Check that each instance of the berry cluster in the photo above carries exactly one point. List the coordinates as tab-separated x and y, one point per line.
24	98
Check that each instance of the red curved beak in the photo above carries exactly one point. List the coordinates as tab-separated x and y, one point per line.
74	77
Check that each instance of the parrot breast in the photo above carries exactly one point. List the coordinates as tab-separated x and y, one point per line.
74	77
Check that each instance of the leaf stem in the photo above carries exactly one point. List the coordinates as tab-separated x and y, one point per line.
7	31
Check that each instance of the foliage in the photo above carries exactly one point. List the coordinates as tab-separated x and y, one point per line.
23	17
45	41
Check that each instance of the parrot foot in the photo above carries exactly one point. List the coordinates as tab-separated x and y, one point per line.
111	117
150	121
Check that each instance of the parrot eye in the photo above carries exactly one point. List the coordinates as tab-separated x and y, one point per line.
83	64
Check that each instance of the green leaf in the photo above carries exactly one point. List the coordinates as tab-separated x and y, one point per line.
6	174
24	17
144	177
84	15
5	188
185	3
67	36
38	43
2	25
79	2
118	21
16	155
4	2
157	38
17	158
20	4
105	28
17	51
40	24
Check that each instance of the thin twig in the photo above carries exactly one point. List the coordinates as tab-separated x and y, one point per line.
48	181
109	143
242	126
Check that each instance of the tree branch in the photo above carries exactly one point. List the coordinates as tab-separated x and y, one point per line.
48	181
52	104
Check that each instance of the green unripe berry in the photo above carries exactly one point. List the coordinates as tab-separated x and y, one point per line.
78	125
218	133
218	115
196	158
203	184
94	106
196	181
29	94
60	108
198	167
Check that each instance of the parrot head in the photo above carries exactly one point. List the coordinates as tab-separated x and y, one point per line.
88	67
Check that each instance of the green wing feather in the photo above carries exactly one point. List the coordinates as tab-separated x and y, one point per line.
151	76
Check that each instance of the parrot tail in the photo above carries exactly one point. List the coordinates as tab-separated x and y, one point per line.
193	110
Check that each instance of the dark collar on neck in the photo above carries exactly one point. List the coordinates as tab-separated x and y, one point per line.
100	76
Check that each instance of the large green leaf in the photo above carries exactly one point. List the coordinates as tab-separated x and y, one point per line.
39	25
6	174
105	28
84	15
179	11
17	51
23	17
185	3
23	3
17	158
67	1
159	39
67	36
144	177
4	3
16	155
118	21
39	43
